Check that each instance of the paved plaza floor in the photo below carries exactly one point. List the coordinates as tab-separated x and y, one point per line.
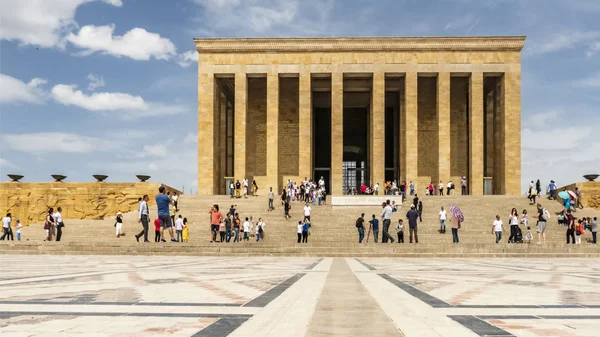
261	296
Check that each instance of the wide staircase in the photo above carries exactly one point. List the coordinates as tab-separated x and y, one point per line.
333	232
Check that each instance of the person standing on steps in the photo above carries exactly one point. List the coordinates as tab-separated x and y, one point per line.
498	228
578	203
236	228
374	223
162	204
412	217
47	225
463	185
119	224
570	227
416	201
215	220
400	231
271	198
305	231
514	224
442	220
231	188
286	209
175	198
58	219
594	225
441	188
299	231
228	218
386	217
541	224
420	211
412	188
6	226
143	217
157	230
254	188
455	227
185	236
179	224
307	210
360	226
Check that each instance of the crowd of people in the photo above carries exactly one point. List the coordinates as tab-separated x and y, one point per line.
402	189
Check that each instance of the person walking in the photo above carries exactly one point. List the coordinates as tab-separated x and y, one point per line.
541	224
455	227
260	230
538	187
19	226
578	232
513	219
254	188
143	218
286	209
420	210
578	203
215	219
570	227
552	190
386	217
271	198
416	201
175	198
185	236
236	228
594	225
231	188
498	228
442	220
360	226
179	224
48	224
307	210
412	188
412	216
305	231
238	189
58	220
6	227
299	231
374	224
228	222
157	230
162	204
119	224
400	231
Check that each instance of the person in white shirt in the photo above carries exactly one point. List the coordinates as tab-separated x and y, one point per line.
5	226
498	228
179	228
247	229
260	230
19	226
442	220
449	188
245	188
376	188
441	187
58	221
307	211
143	218
175	198
300	225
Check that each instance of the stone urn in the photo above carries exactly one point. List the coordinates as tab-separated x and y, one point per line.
15	177
142	178
59	177
100	177
591	177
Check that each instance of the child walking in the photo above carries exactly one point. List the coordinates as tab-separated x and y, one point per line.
222	231
528	236
19	226
186	230
179	228
156	230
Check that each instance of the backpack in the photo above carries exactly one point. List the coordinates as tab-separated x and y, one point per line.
358	223
545	214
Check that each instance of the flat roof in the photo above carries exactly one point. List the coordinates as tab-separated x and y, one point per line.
348	44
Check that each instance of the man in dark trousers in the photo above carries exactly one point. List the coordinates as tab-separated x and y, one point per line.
416	200
412	217
143	217
386	217
360	226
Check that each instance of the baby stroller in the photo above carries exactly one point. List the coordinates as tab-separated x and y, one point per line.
519	235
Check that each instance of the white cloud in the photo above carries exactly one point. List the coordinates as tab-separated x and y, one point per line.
6	164
158	150
541	119
95	82
191	138
152	167
134	106
188	58
137	43
13	90
46	142
593	49
564	40
40	22
593	81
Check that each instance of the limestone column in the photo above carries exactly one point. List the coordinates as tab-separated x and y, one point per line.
443	116
305	127
377	121
512	129
409	157
476	134
273	131
337	132
206	116
239	133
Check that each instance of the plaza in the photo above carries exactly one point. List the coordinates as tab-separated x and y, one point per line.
360	111
290	296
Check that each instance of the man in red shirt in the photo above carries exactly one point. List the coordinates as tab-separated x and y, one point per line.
215	219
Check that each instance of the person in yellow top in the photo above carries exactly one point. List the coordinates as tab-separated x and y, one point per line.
185	235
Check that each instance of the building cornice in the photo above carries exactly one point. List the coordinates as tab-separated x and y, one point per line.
360	44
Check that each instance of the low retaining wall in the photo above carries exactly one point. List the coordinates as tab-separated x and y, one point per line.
590	193
363	200
29	202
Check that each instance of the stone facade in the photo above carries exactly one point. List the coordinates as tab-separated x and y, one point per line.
590	193
29	202
450	123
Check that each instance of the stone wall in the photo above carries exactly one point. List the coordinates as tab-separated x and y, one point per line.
288	128
428	144
29	202
256	134
590	193
459	137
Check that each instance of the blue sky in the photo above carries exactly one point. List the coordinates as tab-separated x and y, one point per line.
109	86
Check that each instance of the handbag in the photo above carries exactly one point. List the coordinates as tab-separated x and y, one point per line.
46	225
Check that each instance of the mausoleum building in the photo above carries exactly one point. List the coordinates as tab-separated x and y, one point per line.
360	111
